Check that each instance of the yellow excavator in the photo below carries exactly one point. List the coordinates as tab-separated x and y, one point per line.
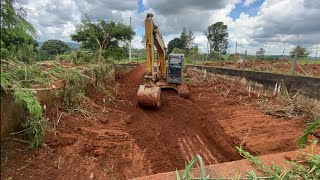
162	73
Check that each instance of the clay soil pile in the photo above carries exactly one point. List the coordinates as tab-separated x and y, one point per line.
113	138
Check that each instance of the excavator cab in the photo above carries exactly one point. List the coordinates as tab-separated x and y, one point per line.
162	72
174	68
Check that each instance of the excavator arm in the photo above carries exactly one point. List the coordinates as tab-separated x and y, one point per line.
156	69
154	39
149	93
161	48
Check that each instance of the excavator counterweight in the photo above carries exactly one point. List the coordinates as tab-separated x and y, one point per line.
165	72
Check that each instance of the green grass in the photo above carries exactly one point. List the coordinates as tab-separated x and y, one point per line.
186	174
35	122
302	140
307	168
309	61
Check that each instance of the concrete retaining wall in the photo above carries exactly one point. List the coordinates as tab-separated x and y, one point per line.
123	68
308	86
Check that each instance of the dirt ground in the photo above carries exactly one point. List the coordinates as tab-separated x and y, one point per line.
275	66
113	138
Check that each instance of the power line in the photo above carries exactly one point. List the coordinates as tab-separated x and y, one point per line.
138	20
138	23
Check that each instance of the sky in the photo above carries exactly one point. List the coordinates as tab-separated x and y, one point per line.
275	25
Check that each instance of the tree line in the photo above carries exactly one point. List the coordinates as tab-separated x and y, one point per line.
217	36
101	40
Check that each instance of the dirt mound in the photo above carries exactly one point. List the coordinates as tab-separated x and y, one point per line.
133	77
275	66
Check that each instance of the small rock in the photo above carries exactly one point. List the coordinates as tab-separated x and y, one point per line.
91	175
104	120
98	152
129	121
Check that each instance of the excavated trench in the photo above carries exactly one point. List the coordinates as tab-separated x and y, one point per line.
176	132
183	128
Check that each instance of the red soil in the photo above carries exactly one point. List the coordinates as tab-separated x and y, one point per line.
113	138
277	66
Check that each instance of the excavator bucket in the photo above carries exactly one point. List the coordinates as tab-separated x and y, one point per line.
183	91
149	96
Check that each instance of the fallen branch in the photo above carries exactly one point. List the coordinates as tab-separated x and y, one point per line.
43	145
55	125
245	138
8	62
304	72
14	133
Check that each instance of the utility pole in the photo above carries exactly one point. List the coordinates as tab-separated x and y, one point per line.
283	51
295	58
130	45
317	53
208	51
245	54
235	52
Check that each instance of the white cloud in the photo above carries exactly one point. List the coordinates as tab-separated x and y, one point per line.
277	25
248	2
136	42
58	18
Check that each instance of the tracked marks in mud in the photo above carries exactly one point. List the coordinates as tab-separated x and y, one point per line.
192	146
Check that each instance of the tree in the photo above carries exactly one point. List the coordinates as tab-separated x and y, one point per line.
15	30
101	35
178	51
174	43
217	35
193	53
17	35
187	38
54	47
297	52
184	42
302	52
260	52
116	53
